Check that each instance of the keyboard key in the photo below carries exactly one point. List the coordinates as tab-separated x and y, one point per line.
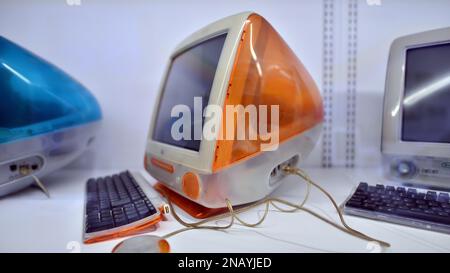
133	216
120	221
443	197
390	188
130	210
104	205
431	196
91	185
139	203
108	220
120	202
119	215
135	196
421	196
144	212
391	193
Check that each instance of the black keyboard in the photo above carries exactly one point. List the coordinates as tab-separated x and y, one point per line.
115	201
426	206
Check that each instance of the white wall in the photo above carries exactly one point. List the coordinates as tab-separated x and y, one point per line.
378	27
118	49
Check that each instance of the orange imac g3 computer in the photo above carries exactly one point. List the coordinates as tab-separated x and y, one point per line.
234	63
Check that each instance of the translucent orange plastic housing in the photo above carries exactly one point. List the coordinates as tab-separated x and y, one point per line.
267	72
128	231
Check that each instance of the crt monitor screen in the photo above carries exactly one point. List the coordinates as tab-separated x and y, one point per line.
191	74
426	103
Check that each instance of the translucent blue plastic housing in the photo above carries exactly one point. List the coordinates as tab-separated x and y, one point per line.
36	97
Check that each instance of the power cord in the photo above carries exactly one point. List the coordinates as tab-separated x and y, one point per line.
275	203
347	229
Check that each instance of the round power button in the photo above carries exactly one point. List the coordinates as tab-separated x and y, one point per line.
191	185
406	169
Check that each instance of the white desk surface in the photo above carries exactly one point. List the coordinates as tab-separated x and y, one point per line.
32	223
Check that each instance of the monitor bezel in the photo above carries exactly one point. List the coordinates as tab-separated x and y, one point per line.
392	142
201	160
172	59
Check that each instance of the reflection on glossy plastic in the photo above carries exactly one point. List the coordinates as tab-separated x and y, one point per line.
267	72
143	244
37	97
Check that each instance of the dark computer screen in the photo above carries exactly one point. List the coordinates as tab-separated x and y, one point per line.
426	102
191	74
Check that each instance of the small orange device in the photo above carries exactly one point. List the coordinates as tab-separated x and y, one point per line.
239	61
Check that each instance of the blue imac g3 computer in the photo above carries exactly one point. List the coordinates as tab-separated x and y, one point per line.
47	119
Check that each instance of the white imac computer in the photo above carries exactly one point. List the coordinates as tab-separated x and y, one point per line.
416	121
416	137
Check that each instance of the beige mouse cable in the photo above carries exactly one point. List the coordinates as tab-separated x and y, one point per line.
272	201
